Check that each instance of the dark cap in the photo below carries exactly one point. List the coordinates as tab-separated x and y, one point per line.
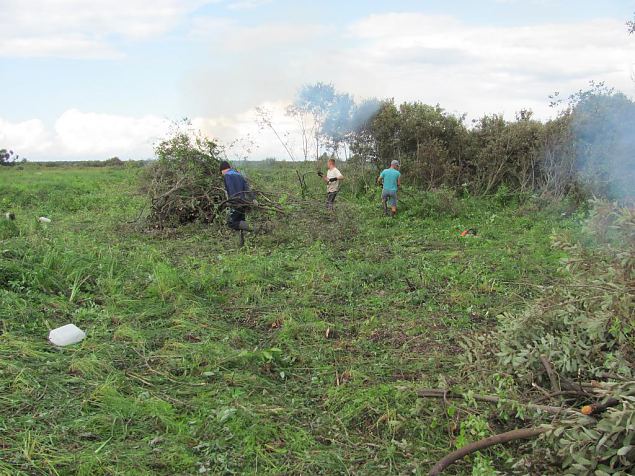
224	165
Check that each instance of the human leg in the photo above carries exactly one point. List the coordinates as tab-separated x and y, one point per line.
236	220
384	199
393	203
330	200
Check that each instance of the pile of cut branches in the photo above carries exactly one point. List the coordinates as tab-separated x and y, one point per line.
564	369
184	185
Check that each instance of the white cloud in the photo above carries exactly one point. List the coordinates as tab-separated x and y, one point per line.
256	64
246	132
247	4
485	69
24	136
410	56
84	28
78	135
88	29
62	46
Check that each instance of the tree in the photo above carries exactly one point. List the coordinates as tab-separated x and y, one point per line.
630	25
7	157
315	101
329	119
602	124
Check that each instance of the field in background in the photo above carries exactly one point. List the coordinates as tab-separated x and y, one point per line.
300	353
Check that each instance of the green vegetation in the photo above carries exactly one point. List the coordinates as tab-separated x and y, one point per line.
586	149
300	353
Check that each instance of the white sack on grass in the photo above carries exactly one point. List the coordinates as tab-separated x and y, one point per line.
66	335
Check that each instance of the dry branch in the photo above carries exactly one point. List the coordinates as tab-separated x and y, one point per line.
441	393
501	438
555	386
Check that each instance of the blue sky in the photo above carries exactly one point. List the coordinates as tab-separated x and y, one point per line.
94	78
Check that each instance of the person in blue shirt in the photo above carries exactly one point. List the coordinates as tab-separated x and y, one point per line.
391	181
238	195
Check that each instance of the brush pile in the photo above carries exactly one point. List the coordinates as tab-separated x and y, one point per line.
569	356
184	185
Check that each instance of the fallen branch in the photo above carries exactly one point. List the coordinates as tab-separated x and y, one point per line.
440	393
555	386
501	438
560	382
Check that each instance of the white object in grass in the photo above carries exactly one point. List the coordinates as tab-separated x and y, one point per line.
44	220
66	335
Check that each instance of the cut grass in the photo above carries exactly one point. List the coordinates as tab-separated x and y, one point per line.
298	354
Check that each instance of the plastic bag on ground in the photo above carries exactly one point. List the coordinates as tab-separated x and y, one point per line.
66	335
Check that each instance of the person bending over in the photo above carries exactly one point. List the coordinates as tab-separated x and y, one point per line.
239	196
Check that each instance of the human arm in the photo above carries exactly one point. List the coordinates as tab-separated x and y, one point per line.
337	177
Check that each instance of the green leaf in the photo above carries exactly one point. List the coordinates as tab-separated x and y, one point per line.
624	450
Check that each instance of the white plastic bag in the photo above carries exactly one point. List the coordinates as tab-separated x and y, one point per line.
66	335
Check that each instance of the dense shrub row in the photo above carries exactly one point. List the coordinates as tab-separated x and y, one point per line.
586	146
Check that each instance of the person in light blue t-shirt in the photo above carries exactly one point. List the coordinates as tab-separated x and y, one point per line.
391	180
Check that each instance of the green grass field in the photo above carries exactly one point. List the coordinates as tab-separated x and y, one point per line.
300	353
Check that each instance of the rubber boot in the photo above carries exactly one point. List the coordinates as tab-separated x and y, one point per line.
241	238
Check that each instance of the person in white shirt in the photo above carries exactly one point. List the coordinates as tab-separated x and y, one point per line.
332	178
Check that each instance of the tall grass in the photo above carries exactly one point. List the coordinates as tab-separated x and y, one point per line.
299	354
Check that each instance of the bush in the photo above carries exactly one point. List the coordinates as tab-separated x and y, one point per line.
587	147
7	157
113	161
184	184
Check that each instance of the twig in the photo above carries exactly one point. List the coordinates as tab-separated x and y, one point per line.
571	393
411	287
546	394
501	438
555	386
441	393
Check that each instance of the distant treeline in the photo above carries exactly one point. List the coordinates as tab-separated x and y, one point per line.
112	162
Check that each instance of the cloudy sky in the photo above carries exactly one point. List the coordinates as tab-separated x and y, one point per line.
89	79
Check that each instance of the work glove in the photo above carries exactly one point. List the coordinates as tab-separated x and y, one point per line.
333	179
320	174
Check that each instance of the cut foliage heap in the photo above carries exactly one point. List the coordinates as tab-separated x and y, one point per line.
572	352
184	185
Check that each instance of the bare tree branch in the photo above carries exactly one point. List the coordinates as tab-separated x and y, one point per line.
521	434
